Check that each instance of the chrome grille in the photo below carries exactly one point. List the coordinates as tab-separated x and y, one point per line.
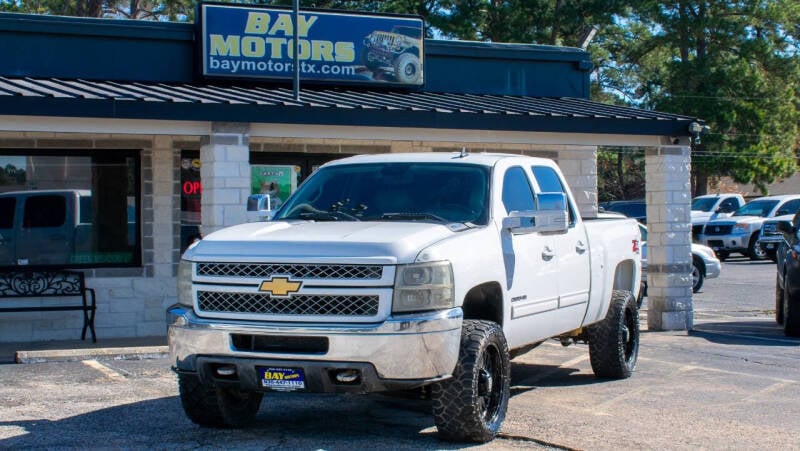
298	271
718	229
343	305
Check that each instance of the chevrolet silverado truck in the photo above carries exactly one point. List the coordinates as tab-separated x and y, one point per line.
398	272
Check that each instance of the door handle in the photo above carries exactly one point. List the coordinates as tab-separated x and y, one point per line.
580	247
547	254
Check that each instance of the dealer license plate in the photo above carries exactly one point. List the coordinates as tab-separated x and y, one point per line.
771	246
283	379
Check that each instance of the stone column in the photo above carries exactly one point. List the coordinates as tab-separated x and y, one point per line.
579	165
669	253
225	172
164	225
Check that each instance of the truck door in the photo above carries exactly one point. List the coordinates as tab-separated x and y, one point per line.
45	237
8	206
572	252
530	263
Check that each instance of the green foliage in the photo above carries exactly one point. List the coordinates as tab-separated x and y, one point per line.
620	174
734	65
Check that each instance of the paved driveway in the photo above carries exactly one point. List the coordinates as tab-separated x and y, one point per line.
732	383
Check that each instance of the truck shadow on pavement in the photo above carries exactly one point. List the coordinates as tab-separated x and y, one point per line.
285	421
744	333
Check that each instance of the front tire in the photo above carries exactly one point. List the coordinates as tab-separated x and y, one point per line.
779	294
471	405
754	251
614	342
407	69
791	311
698	276
208	406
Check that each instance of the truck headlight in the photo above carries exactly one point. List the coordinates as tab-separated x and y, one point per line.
185	283
741	228
423	286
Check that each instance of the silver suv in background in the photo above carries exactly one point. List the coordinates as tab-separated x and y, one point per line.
771	237
713	206
739	233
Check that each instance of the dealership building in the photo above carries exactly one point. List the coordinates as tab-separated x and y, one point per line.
156	133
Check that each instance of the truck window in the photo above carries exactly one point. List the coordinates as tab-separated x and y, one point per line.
517	193
789	208
7	206
44	211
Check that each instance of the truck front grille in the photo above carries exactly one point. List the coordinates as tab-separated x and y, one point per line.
770	228
298	271
718	229
342	305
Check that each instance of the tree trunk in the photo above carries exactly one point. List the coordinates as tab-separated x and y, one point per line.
700	183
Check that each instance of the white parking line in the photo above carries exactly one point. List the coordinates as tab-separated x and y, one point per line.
108	372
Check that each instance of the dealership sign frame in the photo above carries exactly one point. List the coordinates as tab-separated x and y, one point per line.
334	47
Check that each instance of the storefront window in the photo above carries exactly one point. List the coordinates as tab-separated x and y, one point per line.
191	193
70	208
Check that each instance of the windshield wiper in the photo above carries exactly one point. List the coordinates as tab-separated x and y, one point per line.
414	215
324	216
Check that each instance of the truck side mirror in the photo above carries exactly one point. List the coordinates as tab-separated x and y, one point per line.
260	207
551	217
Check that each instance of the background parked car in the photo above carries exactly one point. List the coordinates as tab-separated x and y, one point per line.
705	265
739	233
636	209
713	206
787	280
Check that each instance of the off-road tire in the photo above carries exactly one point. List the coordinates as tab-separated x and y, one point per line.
779	294
199	401
791	311
471	405
698	275
614	341
407	68
367	61
211	406
239	408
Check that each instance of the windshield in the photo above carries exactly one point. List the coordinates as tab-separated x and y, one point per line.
757	208
703	203
393	192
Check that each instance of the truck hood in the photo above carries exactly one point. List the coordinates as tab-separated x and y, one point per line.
306	241
738	220
699	217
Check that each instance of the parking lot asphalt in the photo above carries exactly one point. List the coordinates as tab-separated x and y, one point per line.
733	382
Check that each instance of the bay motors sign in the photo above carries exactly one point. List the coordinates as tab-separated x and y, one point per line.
253	42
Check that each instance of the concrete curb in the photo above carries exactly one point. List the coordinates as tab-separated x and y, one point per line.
76	355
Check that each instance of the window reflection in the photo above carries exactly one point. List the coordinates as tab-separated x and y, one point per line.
69	208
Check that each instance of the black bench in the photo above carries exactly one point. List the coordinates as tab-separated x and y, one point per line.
30	283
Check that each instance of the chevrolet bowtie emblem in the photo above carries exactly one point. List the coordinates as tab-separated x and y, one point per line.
280	286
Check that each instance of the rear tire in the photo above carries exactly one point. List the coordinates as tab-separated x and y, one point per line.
471	405
614	342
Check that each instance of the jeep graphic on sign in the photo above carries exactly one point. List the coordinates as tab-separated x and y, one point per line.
396	52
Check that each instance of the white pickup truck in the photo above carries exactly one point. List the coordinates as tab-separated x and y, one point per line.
400	271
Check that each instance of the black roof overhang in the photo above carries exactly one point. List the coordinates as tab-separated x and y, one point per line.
125	109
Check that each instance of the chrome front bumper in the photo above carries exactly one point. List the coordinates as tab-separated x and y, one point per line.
421	346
